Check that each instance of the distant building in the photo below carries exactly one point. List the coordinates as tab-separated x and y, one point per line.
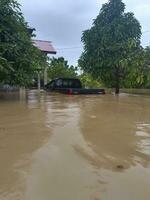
47	48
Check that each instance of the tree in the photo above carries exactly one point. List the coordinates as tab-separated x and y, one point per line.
146	68
139	75
111	44
18	56
88	81
59	68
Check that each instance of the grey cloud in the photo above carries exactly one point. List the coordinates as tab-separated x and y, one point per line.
63	21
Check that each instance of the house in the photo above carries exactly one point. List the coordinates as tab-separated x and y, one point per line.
47	48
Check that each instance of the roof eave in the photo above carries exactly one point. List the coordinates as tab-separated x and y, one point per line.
50	52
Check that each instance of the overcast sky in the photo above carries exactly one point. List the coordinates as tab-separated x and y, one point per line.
62	21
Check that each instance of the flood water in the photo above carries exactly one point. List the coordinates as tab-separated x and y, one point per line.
63	147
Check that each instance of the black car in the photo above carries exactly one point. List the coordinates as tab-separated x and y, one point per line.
70	86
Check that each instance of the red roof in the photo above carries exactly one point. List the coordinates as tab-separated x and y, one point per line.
45	46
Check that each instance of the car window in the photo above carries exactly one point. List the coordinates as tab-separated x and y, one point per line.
71	83
76	84
59	83
51	84
65	83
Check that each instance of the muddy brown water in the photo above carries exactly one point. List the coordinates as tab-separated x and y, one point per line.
74	147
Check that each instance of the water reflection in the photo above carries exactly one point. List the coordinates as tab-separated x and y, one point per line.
55	146
111	127
22	131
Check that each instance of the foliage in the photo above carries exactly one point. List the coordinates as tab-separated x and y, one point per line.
111	44
89	82
18	56
139	75
59	68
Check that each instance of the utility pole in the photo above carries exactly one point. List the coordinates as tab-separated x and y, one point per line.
39	81
45	76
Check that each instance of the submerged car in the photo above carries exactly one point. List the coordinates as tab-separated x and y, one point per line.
70	86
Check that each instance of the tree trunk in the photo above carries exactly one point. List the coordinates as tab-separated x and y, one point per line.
117	86
117	89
